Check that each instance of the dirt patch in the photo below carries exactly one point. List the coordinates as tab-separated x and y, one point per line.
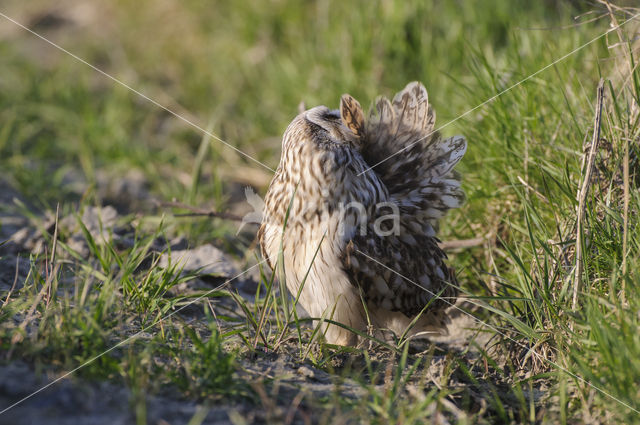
71	401
285	386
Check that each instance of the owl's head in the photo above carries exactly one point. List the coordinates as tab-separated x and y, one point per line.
345	125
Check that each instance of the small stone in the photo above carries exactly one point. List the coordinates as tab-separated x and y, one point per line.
207	259
306	372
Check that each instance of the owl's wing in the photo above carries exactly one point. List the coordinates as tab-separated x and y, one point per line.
400	273
412	160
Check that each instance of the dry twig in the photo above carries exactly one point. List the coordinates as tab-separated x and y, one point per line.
462	243
199	212
584	190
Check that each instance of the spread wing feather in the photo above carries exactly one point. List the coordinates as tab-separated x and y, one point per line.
416	166
412	159
399	274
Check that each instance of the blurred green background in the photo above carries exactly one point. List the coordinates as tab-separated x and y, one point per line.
240	69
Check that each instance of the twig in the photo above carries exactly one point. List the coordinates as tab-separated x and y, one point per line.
199	212
538	194
53	265
625	214
584	190
460	244
15	281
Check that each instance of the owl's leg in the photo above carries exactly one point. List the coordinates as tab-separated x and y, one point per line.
430	323
348	310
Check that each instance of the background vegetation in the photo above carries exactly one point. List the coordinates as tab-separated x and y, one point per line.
240	69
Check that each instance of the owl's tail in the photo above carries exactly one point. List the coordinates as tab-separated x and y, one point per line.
413	161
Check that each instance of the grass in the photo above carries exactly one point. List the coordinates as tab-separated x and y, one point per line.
240	70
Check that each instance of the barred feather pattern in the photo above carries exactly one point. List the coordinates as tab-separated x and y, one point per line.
341	259
411	158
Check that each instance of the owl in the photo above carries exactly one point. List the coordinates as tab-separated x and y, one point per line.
352	213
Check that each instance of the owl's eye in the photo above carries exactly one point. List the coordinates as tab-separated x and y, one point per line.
332	116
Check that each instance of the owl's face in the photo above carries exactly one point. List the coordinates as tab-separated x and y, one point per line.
330	121
343	126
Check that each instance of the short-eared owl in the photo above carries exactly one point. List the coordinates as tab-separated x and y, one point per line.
354	205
